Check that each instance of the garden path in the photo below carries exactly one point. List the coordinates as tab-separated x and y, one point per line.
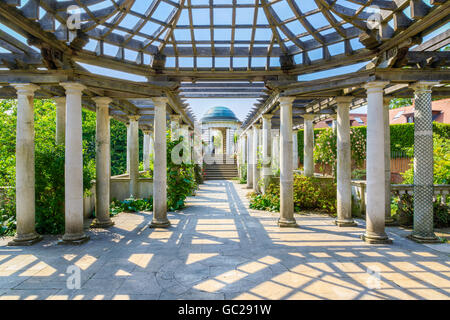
219	249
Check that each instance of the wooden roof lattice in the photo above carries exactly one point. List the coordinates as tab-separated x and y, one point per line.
216	48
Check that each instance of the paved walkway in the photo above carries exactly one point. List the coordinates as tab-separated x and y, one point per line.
219	249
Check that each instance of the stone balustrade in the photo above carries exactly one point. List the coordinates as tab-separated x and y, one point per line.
359	192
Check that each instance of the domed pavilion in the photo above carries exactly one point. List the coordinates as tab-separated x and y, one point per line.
219	126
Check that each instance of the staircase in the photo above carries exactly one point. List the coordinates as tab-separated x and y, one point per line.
223	170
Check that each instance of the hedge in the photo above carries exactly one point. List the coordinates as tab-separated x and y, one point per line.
402	135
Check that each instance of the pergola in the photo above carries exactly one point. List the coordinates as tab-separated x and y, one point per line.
150	56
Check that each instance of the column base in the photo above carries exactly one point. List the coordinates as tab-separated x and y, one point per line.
159	224
420	239
287	223
376	239
345	223
101	224
25	241
390	222
74	239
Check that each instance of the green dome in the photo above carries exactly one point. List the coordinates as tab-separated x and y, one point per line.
219	114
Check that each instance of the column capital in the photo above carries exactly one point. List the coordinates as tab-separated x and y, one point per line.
102	101
175	117
160	101
344	100
376	85
184	126
72	86
134	117
256	126
60	100
308	116
424	85
267	116
25	88
146	131
286	100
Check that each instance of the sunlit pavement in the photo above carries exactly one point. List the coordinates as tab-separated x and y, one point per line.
219	249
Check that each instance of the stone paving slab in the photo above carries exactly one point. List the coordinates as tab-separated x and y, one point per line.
217	248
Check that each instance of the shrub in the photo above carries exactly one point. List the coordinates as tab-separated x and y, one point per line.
441	167
180	178
130	205
325	152
199	174
243	178
405	214
309	194
314	193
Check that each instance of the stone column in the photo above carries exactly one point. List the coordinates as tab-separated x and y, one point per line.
134	156
60	103
160	167
146	151
25	180
286	171
250	159
308	151
227	139
184	132
267	150
128	146
376	196
103	164
74	232
254	151
387	162
276	150
334	121
423	164
151	146
343	172
174	126
295	149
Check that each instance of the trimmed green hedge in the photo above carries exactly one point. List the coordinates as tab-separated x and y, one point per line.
402	135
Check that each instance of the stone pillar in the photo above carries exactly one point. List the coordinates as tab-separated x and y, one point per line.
227	139
276	150
267	150
334	121
250	159
160	167
60	103
343	172
308	151
151	144
103	164
25	180
376	196
387	162
254	151
423	164
184	132
134	156
295	149
286	171
128	146
174	126
146	151
74	232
